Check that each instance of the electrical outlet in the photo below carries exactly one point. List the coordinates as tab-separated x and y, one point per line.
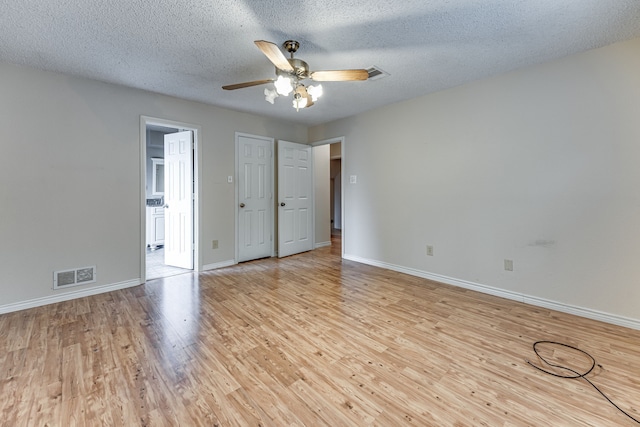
429	250
214	244
508	264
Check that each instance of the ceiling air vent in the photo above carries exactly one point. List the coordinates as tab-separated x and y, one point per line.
75	277
376	73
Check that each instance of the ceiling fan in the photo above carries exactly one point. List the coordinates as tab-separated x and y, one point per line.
292	71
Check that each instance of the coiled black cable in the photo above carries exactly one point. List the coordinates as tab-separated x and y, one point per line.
576	374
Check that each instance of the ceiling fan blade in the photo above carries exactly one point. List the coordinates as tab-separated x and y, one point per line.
275	55
339	75
247	84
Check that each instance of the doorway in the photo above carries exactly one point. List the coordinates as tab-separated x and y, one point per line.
159	238
329	200
335	191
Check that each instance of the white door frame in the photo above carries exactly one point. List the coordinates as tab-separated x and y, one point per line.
342	140
237	191
147	121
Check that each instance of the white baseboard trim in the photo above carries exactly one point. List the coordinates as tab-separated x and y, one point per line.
527	299
94	290
217	265
614	319
323	244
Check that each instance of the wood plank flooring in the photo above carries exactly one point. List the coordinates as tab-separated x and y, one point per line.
310	340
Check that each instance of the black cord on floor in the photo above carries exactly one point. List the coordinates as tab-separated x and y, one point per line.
575	373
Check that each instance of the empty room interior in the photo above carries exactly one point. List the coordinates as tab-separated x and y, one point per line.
320	213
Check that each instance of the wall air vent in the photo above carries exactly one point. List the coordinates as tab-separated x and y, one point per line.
75	277
376	73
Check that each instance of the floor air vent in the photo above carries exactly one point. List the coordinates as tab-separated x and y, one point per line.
75	277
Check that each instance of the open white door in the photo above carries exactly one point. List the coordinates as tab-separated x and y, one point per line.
255	196
178	199
295	198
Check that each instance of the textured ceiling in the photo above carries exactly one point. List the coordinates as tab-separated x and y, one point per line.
190	48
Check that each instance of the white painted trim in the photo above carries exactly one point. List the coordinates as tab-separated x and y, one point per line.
143	197
515	296
322	244
94	290
601	316
217	265
343	209
313	202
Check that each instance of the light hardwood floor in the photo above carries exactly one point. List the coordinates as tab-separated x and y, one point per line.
310	340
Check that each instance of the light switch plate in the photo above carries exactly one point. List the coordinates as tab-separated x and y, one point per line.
353	179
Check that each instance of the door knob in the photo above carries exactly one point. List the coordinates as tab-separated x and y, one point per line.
242	205
166	206
282	204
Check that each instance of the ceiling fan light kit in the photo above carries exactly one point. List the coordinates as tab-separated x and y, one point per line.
291	72
283	85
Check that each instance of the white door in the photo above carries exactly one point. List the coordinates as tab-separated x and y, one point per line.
255	196
295	198
178	199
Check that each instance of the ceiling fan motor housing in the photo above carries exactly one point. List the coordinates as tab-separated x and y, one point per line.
301	68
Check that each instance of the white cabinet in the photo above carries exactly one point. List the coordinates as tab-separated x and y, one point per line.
157	176
155	226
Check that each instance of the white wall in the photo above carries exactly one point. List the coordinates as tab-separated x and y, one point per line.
70	193
321	195
540	166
